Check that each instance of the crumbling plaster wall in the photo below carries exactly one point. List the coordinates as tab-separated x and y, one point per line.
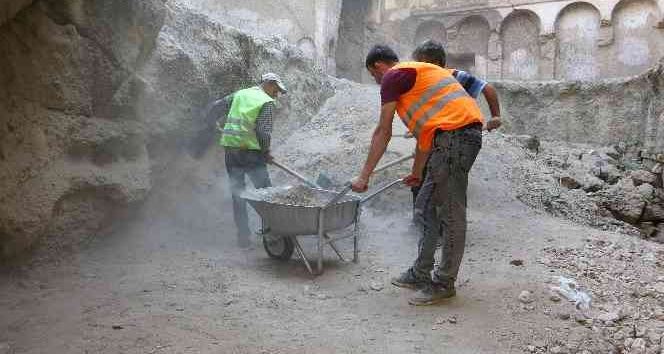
607	111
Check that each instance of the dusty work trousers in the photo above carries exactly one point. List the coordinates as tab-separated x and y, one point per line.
440	207
241	163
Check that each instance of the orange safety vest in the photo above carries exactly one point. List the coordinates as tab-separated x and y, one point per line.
437	101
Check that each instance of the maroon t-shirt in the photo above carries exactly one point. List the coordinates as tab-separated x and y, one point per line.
395	83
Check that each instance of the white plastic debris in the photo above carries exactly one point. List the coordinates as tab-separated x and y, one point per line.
569	289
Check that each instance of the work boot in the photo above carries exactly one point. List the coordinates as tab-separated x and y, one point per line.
409	280
433	294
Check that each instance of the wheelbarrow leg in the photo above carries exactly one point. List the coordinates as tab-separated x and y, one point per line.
336	250
321	237
356	237
300	253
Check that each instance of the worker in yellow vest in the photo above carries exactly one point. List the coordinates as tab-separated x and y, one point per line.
447	124
246	136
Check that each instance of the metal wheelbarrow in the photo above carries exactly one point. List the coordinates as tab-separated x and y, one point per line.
284	221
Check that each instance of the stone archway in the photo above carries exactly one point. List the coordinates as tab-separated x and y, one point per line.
577	30
521	51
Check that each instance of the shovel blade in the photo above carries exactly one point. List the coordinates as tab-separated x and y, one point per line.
324	181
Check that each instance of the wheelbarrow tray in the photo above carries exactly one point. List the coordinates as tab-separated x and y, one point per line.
294	220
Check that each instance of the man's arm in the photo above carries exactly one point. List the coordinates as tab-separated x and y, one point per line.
264	127
416	176
491	97
381	138
218	110
214	114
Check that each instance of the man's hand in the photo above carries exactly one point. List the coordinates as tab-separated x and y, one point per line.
494	124
268	157
412	180
360	184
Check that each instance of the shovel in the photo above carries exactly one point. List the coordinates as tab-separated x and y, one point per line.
326	183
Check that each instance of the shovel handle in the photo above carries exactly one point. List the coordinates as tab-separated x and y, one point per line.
395	162
294	174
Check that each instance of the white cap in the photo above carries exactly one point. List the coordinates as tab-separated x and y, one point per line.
276	79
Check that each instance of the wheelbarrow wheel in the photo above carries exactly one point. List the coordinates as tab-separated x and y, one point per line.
278	247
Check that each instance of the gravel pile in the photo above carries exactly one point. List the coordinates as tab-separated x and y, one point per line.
298	196
626	282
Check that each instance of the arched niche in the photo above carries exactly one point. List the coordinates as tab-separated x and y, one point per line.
433	30
638	43
307	46
468	49
577	31
521	51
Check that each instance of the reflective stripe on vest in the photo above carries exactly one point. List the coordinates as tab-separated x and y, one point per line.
426	97
437	108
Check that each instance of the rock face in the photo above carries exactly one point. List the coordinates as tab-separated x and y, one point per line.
96	97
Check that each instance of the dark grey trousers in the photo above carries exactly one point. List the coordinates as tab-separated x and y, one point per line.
241	163
440	207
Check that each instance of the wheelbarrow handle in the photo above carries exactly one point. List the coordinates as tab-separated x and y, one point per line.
340	195
380	190
294	174
348	185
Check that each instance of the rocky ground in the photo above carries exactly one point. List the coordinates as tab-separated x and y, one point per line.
174	282
543	215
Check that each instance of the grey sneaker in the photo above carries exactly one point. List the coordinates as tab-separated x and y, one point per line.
408	280
433	295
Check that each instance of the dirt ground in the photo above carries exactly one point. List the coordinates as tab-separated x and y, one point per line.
173	281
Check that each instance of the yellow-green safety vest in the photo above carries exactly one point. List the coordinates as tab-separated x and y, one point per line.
240	128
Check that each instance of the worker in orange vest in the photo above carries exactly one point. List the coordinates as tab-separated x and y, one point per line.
434	52
447	124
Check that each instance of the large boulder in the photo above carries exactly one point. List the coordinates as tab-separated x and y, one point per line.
654	211
641	176
627	201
